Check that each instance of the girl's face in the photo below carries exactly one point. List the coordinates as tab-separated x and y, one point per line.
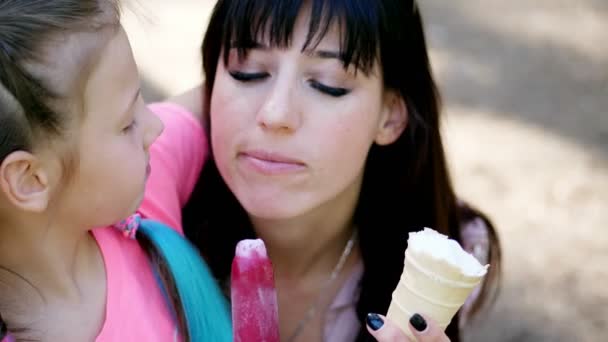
291	129
114	137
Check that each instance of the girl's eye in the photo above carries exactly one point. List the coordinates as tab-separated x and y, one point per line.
248	77
130	127
331	91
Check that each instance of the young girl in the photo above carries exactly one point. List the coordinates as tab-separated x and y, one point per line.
75	148
324	126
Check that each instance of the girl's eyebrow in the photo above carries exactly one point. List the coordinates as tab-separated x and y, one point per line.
130	105
134	98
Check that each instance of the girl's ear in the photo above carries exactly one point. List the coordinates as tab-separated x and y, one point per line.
24	182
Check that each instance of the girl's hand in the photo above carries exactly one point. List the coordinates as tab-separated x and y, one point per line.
425	330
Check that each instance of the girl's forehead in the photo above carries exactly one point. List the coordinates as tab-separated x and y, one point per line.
67	59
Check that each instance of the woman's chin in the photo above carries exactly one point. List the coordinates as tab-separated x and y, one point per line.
272	210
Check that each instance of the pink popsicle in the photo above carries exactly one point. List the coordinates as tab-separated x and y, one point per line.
255	315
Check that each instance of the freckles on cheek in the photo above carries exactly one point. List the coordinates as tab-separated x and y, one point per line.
350	139
335	142
229	121
221	107
348	131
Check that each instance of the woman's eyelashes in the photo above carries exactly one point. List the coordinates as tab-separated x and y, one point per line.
248	76
257	76
331	91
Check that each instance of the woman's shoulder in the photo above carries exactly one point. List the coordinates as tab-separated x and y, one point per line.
479	238
170	112
475	230
190	101
176	159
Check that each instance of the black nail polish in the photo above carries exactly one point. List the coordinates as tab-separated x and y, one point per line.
374	321
418	322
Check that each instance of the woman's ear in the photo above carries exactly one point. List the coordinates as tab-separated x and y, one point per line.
394	119
25	182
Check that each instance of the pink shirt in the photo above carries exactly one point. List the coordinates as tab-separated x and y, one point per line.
135	307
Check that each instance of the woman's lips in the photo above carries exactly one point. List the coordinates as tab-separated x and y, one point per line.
270	163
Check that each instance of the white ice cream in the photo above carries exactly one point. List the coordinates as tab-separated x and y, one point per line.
249	247
439	246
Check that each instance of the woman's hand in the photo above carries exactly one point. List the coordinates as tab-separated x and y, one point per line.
425	330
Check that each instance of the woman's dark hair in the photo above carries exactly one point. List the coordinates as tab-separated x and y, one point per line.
3	330
406	185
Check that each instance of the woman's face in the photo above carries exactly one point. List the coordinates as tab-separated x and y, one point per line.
291	129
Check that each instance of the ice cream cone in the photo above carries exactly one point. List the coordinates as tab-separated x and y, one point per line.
433	283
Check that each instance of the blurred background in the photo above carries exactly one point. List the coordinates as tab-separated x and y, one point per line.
525	86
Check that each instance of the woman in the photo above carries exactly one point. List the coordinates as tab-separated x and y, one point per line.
323	118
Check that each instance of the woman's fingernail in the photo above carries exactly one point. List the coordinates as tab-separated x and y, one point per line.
418	322
374	321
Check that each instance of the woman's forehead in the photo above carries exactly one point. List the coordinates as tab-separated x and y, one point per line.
302	37
350	29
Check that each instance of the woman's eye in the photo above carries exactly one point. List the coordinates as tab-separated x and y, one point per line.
331	91
248	77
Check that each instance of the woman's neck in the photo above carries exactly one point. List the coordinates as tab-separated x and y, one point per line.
312	253
308	247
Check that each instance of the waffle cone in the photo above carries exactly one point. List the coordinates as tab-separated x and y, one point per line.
431	287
